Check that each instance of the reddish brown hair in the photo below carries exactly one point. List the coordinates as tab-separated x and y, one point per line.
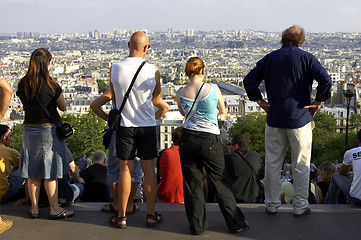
193	66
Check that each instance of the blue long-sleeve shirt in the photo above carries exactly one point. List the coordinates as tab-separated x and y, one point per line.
288	73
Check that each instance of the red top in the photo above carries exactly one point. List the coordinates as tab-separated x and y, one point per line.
171	185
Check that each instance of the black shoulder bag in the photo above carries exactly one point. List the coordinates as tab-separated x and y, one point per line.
260	196
63	130
114	115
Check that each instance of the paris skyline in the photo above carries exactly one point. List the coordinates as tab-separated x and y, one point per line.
66	16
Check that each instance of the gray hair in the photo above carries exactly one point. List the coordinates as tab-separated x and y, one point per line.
99	156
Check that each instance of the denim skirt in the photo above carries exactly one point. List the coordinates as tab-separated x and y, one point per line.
43	154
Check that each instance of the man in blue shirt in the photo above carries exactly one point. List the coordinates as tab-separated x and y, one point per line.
288	73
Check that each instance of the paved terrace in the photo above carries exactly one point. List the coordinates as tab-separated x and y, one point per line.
325	222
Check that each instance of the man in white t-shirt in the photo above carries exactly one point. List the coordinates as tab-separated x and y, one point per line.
339	181
136	135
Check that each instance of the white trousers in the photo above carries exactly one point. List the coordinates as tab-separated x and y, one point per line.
276	143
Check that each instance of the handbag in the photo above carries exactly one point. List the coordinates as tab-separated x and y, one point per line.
113	119
107	136
63	130
114	115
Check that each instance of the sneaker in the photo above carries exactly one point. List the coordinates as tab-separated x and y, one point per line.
243	228
270	213
306	212
5	225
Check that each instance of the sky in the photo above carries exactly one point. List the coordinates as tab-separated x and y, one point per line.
70	16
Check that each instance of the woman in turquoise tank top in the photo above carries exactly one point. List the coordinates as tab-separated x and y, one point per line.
200	147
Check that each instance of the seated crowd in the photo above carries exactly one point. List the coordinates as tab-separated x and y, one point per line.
243	168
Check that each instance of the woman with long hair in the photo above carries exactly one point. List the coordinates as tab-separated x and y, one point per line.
43	153
200	147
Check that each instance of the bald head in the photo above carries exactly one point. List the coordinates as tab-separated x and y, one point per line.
294	36
99	157
138	44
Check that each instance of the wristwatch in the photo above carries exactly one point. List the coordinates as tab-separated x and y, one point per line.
259	101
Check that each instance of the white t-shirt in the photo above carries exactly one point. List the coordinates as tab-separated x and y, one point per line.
138	110
353	156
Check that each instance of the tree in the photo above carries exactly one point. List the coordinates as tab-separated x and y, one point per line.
335	148
252	126
102	85
17	134
324	131
355	121
88	132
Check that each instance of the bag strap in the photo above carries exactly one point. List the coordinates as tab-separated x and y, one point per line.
45	110
127	94
245	160
195	103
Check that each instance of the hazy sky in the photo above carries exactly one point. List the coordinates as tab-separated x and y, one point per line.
68	16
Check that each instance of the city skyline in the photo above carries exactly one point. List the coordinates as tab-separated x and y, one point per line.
65	16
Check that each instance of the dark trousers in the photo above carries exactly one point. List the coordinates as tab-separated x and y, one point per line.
198	150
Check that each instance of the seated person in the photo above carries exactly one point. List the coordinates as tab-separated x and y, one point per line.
244	169
340	182
287	192
95	178
10	180
171	184
325	171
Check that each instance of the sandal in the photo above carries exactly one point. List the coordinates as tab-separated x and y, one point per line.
63	214
32	215
135	209
116	221
156	217
109	208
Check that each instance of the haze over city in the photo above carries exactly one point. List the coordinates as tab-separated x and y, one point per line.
68	16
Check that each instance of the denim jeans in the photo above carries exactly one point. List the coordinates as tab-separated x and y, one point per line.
200	150
15	183
340	183
78	190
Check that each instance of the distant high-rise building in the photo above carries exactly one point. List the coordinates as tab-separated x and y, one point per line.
96	34
190	32
27	34
36	35
239	34
170	32
118	33
19	35
91	35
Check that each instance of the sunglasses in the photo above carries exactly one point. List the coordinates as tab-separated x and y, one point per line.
230	144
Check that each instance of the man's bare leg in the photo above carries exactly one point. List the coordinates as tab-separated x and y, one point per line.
150	185
124	185
133	192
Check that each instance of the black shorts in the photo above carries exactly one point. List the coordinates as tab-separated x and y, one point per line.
142	140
